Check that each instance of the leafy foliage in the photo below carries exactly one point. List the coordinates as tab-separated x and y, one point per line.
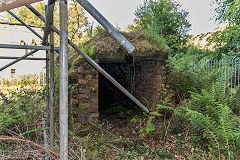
77	21
208	107
165	19
20	107
226	40
228	10
183	78
235	103
213	121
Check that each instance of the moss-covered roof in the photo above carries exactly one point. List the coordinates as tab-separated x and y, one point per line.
106	46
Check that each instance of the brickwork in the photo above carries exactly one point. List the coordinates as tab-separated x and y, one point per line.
148	82
85	94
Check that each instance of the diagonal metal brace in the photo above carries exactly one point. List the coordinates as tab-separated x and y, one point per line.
17	60
107	25
16	17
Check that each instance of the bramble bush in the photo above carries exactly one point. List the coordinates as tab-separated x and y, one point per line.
22	109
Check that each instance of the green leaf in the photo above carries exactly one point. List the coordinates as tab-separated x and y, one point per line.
155	114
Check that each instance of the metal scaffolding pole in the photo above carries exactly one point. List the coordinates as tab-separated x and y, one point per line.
10	46
49	19
47	88
108	26
47	92
63	88
17	60
6	57
52	91
94	64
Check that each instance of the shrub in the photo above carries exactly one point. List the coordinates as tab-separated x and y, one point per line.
165	19
22	109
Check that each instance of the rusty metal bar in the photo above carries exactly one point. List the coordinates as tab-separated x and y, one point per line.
49	19
52	91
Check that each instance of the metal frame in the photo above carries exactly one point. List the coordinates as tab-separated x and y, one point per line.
64	41
10	46
33	58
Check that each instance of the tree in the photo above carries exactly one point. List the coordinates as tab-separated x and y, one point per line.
228	11
166	19
77	21
26	15
228	40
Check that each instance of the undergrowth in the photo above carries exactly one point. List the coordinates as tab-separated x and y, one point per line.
211	108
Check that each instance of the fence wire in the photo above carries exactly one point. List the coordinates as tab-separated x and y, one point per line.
228	70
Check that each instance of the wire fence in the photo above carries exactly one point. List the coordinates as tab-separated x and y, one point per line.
228	70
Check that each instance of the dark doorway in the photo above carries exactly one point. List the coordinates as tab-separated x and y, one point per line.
110	98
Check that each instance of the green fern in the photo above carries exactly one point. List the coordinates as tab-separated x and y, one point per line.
212	118
235	103
89	51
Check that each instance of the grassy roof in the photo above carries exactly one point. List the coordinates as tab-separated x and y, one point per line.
106	46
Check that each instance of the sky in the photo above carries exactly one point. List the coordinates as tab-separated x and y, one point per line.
121	13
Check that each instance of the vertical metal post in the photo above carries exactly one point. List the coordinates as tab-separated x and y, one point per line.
63	93
227	78
47	79
238	70
52	90
193	63
47	87
45	136
235	71
231	65
211	65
